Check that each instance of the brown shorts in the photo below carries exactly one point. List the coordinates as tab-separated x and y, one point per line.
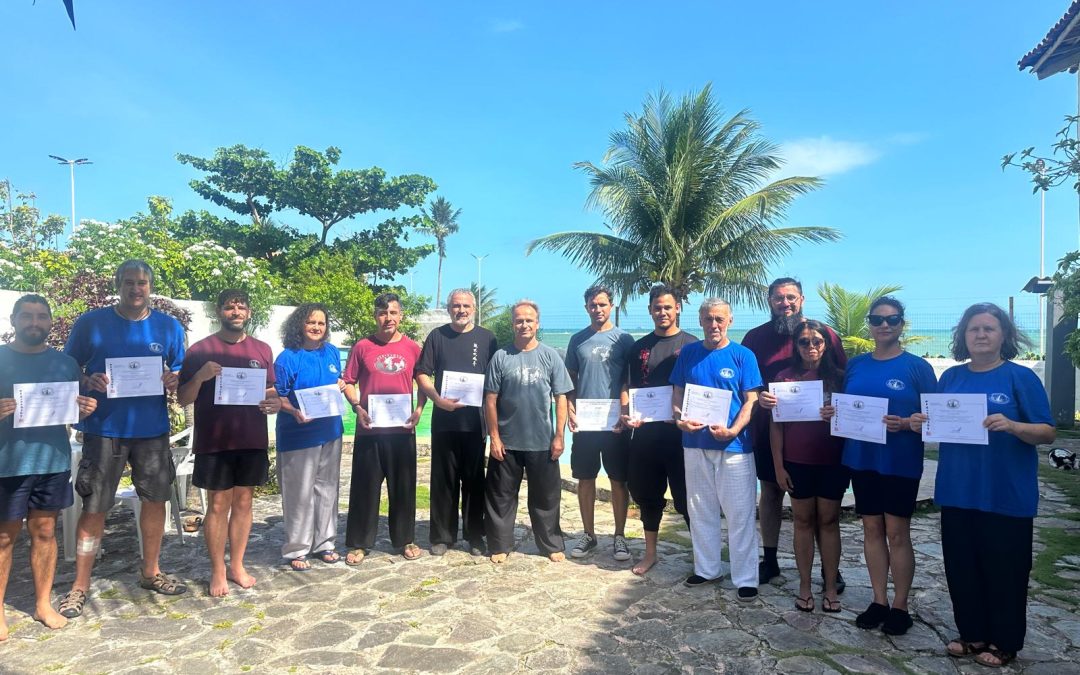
103	461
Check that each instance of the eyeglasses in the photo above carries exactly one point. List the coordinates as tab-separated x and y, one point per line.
783	298
893	319
806	342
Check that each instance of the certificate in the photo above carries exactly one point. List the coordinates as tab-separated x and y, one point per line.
797	401
45	404
134	376
596	414
706	405
389	410
651	404
859	417
240	386
324	401
467	388
954	418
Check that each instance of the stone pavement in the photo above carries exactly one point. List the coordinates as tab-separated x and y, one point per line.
462	614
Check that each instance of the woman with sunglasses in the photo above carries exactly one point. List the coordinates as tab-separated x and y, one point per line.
807	461
885	478
989	494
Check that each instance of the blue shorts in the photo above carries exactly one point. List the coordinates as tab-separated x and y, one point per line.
40	492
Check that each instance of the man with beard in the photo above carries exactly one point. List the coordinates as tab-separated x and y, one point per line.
35	461
230	440
457	434
771	343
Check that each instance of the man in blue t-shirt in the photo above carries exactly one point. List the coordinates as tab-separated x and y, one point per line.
35	459
720	476
121	349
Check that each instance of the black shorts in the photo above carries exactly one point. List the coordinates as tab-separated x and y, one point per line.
590	446
40	492
766	471
877	494
102	465
226	469
824	481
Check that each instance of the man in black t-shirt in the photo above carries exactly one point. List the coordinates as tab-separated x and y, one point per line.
656	452
457	433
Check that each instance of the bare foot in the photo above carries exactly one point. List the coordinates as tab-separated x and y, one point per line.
3	626
219	585
50	618
240	577
644	565
557	556
498	558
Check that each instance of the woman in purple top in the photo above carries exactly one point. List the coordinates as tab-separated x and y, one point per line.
807	462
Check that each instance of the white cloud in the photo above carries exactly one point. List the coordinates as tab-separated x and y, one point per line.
506	25
824	156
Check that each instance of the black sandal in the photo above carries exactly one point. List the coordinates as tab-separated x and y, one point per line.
1003	658
162	583
966	648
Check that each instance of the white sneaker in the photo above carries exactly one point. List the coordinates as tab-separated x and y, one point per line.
622	551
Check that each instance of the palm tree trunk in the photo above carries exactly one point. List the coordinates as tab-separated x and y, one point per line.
438	284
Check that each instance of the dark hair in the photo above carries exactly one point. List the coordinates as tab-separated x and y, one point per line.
232	294
292	331
593	291
133	264
661	290
1013	340
829	370
383	300
887	300
785	281
31	298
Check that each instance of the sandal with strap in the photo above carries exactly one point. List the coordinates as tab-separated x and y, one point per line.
965	648
298	564
329	556
805	604
355	557
162	583
71	605
1000	658
830	606
411	552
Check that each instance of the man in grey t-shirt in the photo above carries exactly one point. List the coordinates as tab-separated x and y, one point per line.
596	358
520	382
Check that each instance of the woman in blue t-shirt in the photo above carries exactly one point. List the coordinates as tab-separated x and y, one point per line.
309	450
989	494
885	477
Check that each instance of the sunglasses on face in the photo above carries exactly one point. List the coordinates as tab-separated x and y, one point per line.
893	319
807	342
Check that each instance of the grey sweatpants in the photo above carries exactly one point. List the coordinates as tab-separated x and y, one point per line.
309	480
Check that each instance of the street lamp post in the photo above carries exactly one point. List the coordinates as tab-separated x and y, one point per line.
1040	166
479	287
71	164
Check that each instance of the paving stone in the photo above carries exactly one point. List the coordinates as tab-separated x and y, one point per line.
932	665
726	642
784	638
552	658
866	663
804	665
431	659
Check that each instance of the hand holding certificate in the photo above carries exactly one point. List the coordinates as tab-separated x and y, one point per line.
706	405
240	386
389	410
859	417
467	388
797	401
134	376
651	404
954	418
45	404
596	414
324	401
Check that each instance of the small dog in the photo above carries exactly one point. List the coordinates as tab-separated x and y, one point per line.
1060	458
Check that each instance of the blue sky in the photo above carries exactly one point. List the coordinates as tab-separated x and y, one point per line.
904	108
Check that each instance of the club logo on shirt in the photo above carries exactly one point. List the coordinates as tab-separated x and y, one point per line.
390	363
254	364
601	353
727	373
895	385
999	398
529	375
332	367
156	347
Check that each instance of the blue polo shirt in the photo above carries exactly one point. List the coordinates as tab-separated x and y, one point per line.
734	368
302	369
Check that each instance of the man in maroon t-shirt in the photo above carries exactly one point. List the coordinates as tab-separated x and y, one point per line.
230	433
381	366
771	344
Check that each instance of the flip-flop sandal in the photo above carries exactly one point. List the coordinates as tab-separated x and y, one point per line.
328	556
411	552
162	583
830	606
299	564
966	648
355	557
1003	658
806	604
71	605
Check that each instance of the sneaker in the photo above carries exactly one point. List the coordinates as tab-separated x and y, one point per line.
585	543
746	594
622	551
767	571
695	580
872	617
438	549
840	583
897	622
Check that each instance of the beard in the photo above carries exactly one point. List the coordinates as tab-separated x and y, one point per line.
32	337
786	325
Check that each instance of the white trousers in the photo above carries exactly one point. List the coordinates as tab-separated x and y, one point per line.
309	480
723	484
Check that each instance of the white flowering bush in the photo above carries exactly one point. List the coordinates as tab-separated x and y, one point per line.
101	247
32	270
210	268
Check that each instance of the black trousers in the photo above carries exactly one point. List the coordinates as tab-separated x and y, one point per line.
457	468
656	463
987	565
501	500
376	457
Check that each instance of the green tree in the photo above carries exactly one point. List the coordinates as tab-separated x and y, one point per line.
684	193
242	179
486	305
327	276
1067	281
440	221
846	311
378	253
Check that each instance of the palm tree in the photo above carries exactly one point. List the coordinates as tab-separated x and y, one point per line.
440	221
486	306
846	312
686	201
